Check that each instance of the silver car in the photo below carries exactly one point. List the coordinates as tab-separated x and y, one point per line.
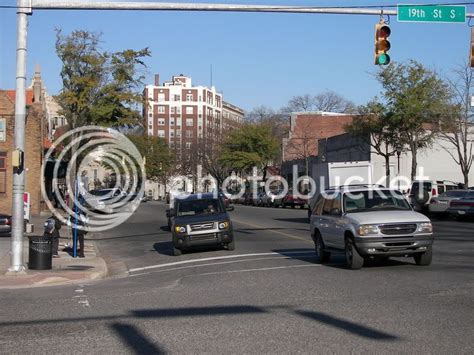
439	205
369	222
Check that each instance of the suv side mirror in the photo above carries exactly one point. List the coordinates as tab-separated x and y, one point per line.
169	213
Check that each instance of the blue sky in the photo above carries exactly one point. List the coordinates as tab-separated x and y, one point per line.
257	59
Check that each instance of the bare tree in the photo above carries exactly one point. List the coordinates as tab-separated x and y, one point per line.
458	127
303	143
330	101
303	103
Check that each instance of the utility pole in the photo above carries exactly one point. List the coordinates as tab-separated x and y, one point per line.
16	261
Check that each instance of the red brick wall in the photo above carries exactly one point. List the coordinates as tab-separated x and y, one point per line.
308	129
33	153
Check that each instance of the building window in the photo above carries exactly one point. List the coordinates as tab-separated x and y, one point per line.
161	109
189	122
189	134
3	172
161	97
161	121
188	145
172	121
189	97
3	130
178	109
178	133
161	133
189	110
177	98
173	109
171	133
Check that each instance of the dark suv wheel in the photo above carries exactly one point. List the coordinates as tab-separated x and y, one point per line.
424	259
323	255
354	260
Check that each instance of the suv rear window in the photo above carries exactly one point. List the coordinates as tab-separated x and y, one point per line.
381	200
426	186
199	207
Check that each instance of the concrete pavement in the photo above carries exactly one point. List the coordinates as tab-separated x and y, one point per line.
65	269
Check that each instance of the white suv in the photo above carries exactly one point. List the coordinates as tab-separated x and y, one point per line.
369	222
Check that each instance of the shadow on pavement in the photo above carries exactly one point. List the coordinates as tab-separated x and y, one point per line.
135	340
350	327
164	248
138	343
293	220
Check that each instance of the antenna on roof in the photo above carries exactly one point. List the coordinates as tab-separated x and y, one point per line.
211	75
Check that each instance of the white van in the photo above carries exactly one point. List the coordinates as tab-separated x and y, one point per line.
422	191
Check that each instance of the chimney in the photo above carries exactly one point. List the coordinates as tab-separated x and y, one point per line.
37	85
157	79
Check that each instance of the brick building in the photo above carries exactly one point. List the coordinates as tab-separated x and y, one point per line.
184	114
306	128
33	148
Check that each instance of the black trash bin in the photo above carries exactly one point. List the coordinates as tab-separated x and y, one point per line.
40	256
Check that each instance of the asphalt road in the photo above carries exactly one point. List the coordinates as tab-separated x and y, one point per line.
270	295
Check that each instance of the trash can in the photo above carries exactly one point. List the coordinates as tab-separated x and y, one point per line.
40	254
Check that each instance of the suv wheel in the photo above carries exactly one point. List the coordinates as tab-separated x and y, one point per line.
354	260
323	255
231	245
424	259
176	251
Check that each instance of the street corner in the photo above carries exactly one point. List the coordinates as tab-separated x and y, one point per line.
65	270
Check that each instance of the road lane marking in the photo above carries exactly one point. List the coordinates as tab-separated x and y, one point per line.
216	258
273	231
253	270
312	254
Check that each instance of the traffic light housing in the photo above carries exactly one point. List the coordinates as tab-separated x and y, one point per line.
382	45
471	49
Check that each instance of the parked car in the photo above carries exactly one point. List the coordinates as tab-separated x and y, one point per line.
369	223
422	191
268	200
5	224
199	220
463	207
227	201
100	200
257	200
291	200
439	205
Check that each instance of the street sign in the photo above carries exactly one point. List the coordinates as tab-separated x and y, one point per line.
431	13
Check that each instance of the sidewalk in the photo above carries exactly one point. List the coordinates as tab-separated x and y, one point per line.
66	269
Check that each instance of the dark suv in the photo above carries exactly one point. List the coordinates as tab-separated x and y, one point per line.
200	219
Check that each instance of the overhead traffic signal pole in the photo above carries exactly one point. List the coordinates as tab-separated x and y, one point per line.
25	7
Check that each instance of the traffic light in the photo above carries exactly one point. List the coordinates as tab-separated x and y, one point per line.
471	51
382	45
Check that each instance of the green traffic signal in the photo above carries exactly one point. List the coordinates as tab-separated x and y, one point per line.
382	59
382	45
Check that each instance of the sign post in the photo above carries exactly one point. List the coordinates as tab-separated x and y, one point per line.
431	13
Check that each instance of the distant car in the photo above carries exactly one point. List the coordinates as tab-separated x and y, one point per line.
439	205
5	224
369	223
227	201
291	200
200	219
257	200
463	207
100	200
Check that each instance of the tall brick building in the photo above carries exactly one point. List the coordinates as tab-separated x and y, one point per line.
184	114
33	148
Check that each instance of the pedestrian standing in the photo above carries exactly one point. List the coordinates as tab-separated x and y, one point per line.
55	236
79	226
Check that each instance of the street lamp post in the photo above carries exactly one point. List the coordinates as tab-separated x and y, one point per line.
399	151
